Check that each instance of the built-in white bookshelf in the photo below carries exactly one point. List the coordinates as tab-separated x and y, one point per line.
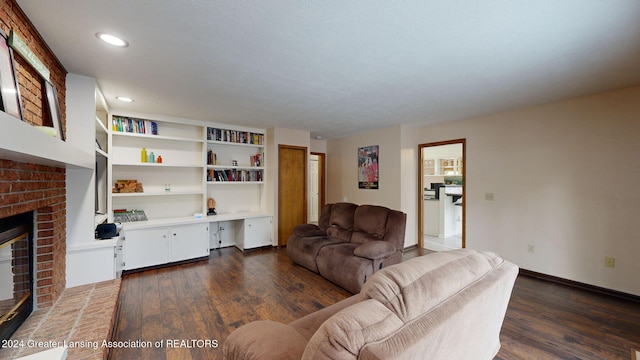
165	156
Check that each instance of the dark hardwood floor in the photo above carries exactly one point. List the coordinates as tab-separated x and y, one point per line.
192	307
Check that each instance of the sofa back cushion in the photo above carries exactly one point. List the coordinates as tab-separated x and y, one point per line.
340	220
413	287
369	223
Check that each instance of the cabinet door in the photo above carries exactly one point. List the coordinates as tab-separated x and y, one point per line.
146	247
119	258
257	232
189	241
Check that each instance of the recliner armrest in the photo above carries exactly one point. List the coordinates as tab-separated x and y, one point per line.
264	339
305	230
375	250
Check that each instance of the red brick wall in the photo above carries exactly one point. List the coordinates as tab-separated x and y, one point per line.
30	82
30	187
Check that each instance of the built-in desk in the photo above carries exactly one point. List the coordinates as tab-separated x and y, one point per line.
165	241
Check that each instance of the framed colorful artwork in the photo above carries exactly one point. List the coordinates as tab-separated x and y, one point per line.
368	167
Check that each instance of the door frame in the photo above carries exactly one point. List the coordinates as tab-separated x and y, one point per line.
322	180
462	141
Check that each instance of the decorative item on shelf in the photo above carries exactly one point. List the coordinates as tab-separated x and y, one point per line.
54	109
167	188
255	160
124	215
152	158
159	159
127	186
211	205
234	162
212	158
143	155
10	100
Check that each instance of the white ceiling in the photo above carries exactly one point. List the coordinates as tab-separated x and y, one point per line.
339	67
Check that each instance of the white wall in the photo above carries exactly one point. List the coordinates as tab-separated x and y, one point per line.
397	158
565	180
81	110
342	165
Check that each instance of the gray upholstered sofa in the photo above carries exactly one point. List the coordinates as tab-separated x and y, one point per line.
350	243
447	305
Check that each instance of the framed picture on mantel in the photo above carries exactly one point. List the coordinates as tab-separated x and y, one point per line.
9	90
54	108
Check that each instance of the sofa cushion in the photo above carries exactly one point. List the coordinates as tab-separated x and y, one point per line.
304	250
416	285
369	223
340	225
338	265
375	250
305	230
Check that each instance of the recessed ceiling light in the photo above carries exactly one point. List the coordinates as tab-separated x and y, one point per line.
112	39
124	99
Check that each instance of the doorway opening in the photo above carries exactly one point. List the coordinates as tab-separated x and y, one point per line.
442	186
317	185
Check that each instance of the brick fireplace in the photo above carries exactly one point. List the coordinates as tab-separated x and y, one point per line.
41	189
26	187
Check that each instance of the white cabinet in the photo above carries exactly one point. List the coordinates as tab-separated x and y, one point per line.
189	241
443	166
146	247
95	261
162	245
254	233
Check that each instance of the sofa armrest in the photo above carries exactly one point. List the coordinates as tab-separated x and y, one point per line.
375	250
305	230
264	339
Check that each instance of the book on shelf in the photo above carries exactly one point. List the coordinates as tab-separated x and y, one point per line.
134	126
255	160
212	158
235	136
234	175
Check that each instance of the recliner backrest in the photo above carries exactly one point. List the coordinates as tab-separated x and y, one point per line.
339	222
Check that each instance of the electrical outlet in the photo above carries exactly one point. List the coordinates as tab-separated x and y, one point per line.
531	248
488	196
609	261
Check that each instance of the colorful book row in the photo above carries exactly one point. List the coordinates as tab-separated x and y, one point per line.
234	175
135	126
235	136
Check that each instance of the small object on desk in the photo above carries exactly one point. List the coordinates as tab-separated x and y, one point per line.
197	215
211	205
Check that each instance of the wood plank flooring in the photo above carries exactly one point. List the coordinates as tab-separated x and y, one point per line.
205	301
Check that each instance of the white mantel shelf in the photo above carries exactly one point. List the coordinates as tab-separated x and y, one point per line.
22	142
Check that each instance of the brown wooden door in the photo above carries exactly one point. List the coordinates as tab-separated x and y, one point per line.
292	190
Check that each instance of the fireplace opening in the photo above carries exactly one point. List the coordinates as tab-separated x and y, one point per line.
16	272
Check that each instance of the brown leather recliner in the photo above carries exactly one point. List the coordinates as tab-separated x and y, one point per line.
350	243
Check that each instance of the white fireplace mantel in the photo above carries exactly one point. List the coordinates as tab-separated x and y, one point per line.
22	142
